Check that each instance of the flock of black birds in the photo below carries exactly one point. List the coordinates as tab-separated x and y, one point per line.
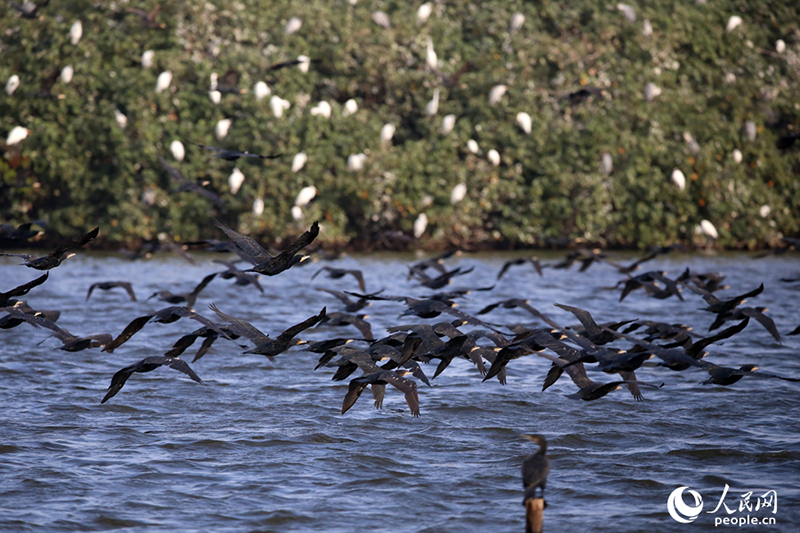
617	348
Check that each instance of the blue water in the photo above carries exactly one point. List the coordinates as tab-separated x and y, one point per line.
263	447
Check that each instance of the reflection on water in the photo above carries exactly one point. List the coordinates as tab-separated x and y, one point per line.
262	447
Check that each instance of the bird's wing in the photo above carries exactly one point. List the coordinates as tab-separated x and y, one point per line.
290	333
182	366
129	289
250	249
301	242
23	289
130	330
406	386
26	257
76	243
323	269
360	278
765	321
117	382
202	285
241	327
353	392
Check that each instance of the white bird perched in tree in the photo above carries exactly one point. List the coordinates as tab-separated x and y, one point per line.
494	157
177	149
299	161
733	23
147	58
524	121
750	130
430	55
222	128
213	82
651	91
387	132
350	108
76	32
764	211
458	193
261	90
678	179
305	196
381	19
423	12
647	28
12	84
420	224
628	11
433	106
17	134
163	81
293	25
258	207
322	109
517	20
708	229
235	180
215	96
737	155
497	93
448	123
278	105
606	163
355	162
694	146
472	146
780	46
121	119
303	62
297	212
66	74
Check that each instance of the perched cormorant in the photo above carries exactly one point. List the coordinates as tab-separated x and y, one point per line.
535	469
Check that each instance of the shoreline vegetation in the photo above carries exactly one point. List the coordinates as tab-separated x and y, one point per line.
584	123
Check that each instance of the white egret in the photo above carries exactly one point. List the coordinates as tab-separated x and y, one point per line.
765	211
628	11
472	146
350	108
494	157
517	20
647	28
607	163
458	193
299	161
235	180
387	132
780	46
381	19
305	196
76	32
448	123
222	128
737	155
261	90
497	93
17	134
750	130
430	55
278	105
213	82
733	23
524	121
121	119
322	109
12	84
258	207
297	212
651	91
177	149
293	25
678	179
420	224
303	63
147	58
708	229
355	162
423	12
215	96
163	81
433	106
66	74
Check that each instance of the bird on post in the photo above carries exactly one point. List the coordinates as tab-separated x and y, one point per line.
534	475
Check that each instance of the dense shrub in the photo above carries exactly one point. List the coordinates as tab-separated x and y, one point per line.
79	169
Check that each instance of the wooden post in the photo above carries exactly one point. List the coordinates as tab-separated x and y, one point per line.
534	515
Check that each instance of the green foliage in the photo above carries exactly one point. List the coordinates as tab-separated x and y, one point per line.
79	168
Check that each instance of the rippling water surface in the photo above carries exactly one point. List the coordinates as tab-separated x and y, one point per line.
263	446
